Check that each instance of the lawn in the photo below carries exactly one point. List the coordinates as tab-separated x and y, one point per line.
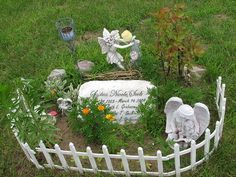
30	48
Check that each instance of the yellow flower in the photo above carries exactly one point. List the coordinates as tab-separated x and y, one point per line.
110	117
101	107
127	36
86	111
53	92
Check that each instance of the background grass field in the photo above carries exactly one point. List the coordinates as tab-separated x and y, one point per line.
30	48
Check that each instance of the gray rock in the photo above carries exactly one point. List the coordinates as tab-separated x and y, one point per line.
85	66
197	72
57	74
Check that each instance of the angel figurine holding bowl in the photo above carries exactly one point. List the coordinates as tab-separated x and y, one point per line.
111	41
185	123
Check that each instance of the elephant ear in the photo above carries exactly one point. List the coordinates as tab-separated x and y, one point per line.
59	100
202	114
171	106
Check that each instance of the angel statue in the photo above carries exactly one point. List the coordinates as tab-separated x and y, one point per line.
110	42
185	123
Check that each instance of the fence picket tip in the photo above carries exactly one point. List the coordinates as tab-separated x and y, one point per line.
122	151
71	144
140	148
207	131
193	142
176	145
104	146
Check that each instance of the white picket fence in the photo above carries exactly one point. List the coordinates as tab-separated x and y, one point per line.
158	158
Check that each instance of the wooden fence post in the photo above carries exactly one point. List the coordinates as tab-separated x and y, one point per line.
125	162
160	163
76	158
22	146
193	154
218	88
222	118
207	144
46	154
141	160
107	158
217	135
177	160
92	160
61	157
32	156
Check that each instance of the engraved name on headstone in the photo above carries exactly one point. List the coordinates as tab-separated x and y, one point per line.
122	96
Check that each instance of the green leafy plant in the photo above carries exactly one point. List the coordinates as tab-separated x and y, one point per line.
152	119
95	121
55	88
28	119
176	45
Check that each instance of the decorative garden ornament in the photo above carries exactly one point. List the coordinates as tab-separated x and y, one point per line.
85	66
64	104
66	30
135	53
111	41
185	123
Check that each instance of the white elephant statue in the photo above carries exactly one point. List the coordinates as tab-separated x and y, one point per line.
64	104
185	123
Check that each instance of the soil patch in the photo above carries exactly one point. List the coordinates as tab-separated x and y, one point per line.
67	136
87	37
221	17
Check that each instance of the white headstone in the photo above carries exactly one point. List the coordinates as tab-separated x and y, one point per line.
122	96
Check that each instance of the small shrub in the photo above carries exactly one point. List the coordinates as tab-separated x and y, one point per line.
96	122
150	116
28	119
176	45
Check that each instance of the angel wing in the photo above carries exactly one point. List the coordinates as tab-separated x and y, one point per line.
171	106
202	114
105	48
105	33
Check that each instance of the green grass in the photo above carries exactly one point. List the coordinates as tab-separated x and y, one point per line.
30	48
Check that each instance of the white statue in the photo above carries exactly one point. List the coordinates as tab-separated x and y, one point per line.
64	104
110	42
185	123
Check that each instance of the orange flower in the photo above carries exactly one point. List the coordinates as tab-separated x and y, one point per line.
110	117
86	111
101	107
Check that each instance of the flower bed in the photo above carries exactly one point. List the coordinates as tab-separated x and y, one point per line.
209	144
